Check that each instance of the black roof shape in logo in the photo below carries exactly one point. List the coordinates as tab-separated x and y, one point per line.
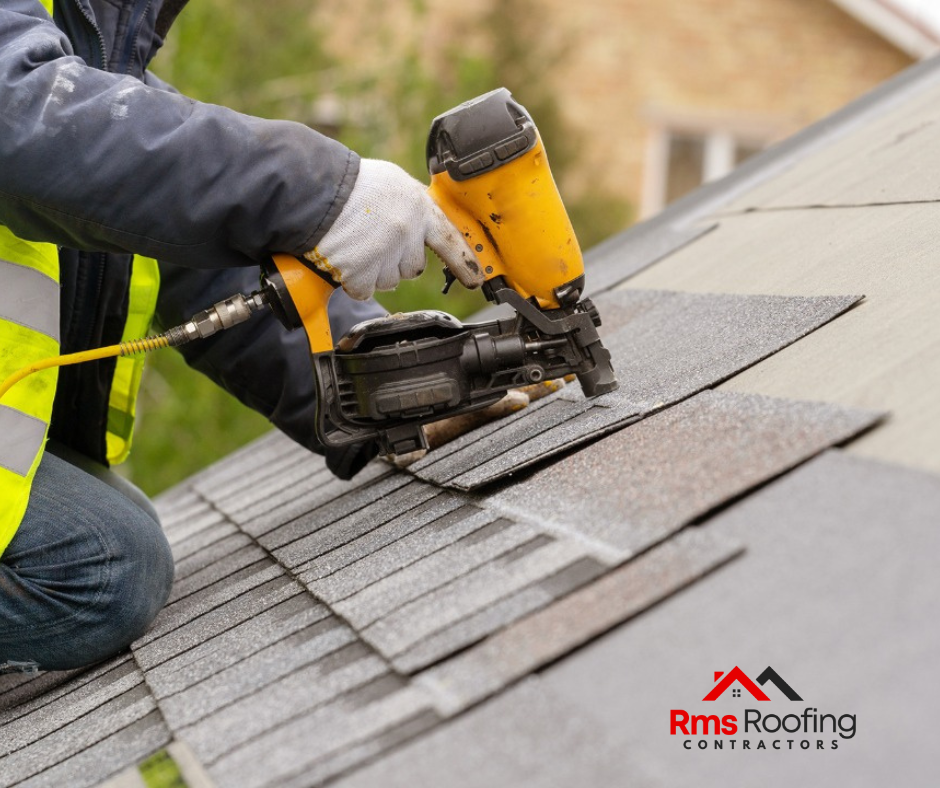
772	676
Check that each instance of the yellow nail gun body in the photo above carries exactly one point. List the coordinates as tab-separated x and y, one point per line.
389	376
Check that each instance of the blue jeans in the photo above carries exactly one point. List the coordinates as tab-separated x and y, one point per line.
87	571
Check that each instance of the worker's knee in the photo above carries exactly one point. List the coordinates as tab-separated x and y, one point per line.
85	574
140	580
113	593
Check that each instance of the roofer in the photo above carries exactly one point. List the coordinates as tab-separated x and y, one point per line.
103	170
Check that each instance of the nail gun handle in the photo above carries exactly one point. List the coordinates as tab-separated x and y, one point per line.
299	298
490	175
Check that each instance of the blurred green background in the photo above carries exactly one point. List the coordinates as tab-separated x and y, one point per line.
267	59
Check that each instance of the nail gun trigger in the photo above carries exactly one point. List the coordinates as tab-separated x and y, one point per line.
449	279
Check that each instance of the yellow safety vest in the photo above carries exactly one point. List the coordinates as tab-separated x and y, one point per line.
29	331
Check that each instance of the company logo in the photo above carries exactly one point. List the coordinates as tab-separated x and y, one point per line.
808	729
739	676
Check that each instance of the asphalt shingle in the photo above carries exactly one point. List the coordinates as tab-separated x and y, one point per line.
398	555
633	489
98	761
474	627
838	591
212	597
527	736
313	686
295	750
77	736
151	651
46	718
521	648
220	569
253	674
389	532
262	631
329	528
23	693
669	347
282	522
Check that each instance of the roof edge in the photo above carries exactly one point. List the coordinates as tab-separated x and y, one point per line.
642	244
894	25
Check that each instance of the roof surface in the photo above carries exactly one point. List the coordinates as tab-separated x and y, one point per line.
528	605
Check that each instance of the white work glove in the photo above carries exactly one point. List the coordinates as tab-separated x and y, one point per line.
378	239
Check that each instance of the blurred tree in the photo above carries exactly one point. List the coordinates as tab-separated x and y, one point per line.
266	59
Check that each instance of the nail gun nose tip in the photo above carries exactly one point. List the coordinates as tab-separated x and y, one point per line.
598	381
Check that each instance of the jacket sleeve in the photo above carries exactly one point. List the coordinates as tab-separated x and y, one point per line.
263	364
94	160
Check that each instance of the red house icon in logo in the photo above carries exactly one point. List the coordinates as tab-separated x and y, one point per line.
738	675
734	675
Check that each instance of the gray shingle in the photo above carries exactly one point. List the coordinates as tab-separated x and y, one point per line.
253	674
399	554
670	346
438	569
242	471
634	488
150	652
210	554
211	597
296	749
278	480
283	480
238	468
209	658
350	554
410	623
542	637
203	539
100	761
24	693
355	754
49	717
78	735
596	418
324	530
177	512
233	727
198	521
473	628
225	566
527	737
342	497
515	432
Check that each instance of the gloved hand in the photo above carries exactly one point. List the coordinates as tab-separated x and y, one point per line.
378	239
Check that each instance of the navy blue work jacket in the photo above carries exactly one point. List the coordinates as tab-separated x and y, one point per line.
101	158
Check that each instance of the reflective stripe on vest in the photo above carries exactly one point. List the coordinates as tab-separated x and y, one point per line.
122	405
29	331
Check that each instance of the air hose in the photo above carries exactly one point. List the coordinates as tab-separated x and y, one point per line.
218	317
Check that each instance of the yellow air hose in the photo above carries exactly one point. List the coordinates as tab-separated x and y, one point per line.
130	348
218	317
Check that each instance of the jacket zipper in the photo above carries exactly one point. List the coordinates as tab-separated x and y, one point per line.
94	26
130	49
102	260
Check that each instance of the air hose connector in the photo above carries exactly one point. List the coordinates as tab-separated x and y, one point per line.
218	317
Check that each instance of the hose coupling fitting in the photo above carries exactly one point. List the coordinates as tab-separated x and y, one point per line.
218	317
